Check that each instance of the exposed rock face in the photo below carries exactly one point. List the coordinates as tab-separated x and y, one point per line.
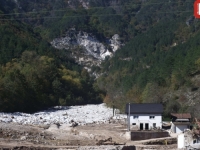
84	3
92	52
115	42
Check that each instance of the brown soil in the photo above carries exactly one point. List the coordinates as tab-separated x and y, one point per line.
92	136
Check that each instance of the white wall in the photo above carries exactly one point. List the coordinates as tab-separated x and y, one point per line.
180	141
186	140
180	128
144	118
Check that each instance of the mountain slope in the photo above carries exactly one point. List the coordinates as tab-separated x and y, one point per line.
34	75
159	61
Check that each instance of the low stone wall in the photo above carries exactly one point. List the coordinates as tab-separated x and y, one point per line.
143	135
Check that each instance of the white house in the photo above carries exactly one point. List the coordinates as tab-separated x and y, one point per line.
145	116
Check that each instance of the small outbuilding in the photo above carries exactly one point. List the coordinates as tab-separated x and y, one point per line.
180	122
145	116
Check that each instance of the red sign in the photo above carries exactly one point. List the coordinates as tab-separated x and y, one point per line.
197	9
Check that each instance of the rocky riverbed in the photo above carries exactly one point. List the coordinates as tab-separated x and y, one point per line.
89	127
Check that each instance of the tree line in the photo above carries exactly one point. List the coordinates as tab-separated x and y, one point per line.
33	82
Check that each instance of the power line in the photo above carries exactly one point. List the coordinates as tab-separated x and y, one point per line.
61	10
76	16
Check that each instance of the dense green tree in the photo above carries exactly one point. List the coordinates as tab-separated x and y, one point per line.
35	82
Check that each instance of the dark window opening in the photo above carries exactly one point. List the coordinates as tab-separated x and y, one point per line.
146	126
151	117
141	126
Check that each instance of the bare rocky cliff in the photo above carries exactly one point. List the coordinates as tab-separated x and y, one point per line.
84	3
86	48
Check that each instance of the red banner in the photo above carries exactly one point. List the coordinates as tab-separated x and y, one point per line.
197	9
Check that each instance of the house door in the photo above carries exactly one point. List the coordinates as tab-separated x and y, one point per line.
146	126
141	126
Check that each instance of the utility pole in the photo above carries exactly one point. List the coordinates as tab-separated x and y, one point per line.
113	108
129	109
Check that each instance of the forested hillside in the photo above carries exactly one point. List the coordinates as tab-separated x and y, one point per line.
34	75
159	62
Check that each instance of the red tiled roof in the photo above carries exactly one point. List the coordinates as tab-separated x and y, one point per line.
181	115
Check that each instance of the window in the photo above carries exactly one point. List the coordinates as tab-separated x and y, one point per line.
154	125
194	141
151	117
134	124
135	117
